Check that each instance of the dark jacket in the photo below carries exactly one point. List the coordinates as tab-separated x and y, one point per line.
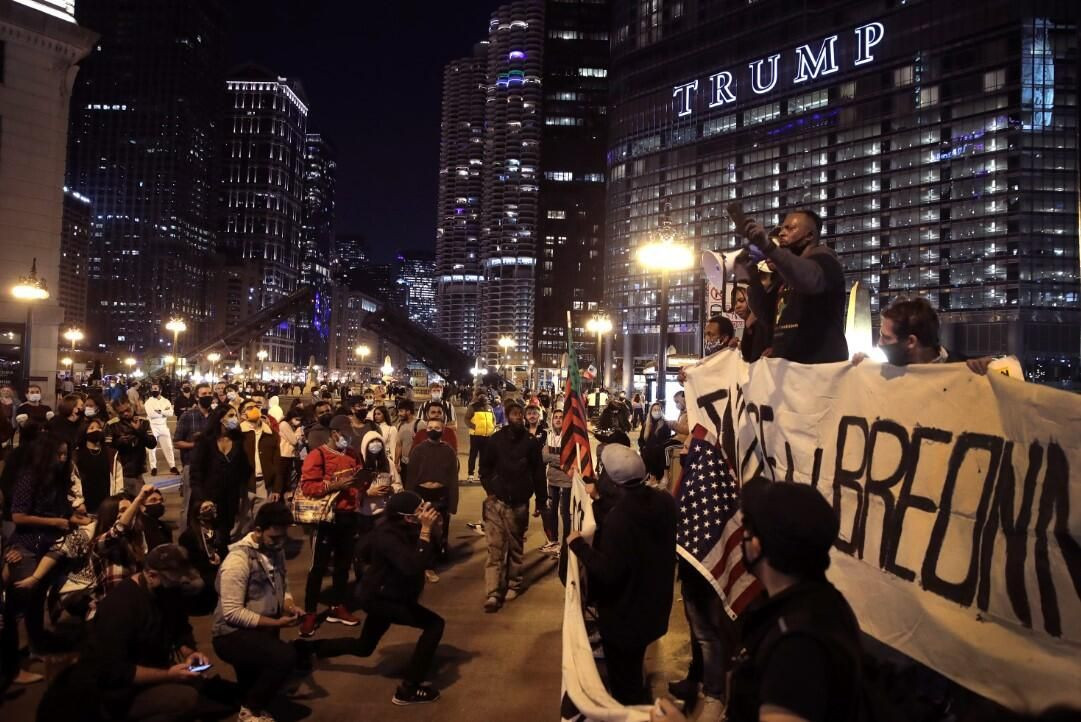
810	611
397	558
512	469
269	455
653	447
633	565
215	476
434	461
131	439
70	432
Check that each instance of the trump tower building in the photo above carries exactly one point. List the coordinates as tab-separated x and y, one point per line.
938	141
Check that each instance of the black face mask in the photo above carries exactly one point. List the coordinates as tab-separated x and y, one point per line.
155	394
325	419
95	437
186	389
360	414
895	353
206	402
154	511
435	435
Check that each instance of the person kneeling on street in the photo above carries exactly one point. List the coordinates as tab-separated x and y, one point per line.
398	551
254	605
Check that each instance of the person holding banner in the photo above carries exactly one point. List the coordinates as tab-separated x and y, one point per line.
631	572
810	324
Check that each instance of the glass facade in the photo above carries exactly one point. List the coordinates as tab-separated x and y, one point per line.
939	143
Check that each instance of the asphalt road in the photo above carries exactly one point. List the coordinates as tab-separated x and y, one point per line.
503	666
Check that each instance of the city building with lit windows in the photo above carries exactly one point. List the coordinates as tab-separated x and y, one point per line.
262	198
74	248
318	213
570	266
143	146
938	141
416	278
457	236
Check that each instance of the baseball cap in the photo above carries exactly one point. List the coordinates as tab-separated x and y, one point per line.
794	523
172	563
404	502
622	465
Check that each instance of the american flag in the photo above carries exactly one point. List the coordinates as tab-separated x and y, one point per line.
710	523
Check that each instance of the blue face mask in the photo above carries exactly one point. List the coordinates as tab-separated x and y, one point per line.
232	423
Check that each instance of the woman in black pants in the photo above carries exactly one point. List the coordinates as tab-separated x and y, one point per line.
220	468
399	551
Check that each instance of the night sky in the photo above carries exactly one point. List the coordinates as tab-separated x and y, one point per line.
373	74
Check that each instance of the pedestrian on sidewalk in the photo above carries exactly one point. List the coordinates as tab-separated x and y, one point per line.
632	568
559	488
189	430
158	410
512	472
480	418
399	551
433	475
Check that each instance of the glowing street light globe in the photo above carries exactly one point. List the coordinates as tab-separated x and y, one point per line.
665	255
31	288
213	357
599	324
129	362
362	351
176	326
74	335
262	355
66	361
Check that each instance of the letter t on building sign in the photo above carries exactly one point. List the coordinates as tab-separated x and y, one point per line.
684	95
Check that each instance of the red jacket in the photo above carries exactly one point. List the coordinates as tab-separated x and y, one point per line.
319	468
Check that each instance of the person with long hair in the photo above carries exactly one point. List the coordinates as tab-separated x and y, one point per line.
219	468
41	508
96	467
120	543
290	443
68	424
638	411
657	436
381	419
207	548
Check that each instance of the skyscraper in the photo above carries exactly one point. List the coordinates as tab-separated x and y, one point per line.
570	269
143	147
461	157
74	246
262	195
416	278
320	174
350	253
510	178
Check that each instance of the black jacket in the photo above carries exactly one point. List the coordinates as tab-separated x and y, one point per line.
131	439
512	468
216	477
397	558
631	570
70	432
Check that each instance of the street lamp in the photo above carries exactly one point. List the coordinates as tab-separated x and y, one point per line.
130	363
506	343
74	335
29	289
664	255
261	355
66	361
213	358
387	369
599	325
177	327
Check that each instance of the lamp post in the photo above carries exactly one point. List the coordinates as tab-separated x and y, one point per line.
664	255
177	327
29	290
362	351
599	325
261	355
506	343
130	363
67	362
387	369
213	358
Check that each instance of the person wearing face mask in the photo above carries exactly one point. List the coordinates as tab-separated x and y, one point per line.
206	549
319	432
559	488
254	605
616	415
68	424
155	531
184	400
511	472
189	429
810	320
380	419
633	565
909	335
332	469
158	410
32	408
219	467
232	396
433	474
128	668
131	438
407	430
97	467
400	550
801	656
291	443
435	411
435	391
657	435
263	448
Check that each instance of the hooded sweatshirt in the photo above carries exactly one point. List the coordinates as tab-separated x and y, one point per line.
381	476
251	583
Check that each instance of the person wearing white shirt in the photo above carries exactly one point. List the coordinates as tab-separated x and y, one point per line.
158	410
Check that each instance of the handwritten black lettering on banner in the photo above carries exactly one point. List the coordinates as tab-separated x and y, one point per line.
954	493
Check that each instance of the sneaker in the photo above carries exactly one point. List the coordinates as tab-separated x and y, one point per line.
248	715
492	604
476	526
174	470
341	615
431	576
512	594
414	695
308	623
153	472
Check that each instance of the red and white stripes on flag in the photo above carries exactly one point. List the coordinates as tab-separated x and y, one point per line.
710	522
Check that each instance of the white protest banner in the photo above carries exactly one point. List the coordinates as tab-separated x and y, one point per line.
958	545
584	695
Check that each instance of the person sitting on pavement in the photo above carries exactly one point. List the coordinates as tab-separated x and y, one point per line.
633	566
398	552
254	605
